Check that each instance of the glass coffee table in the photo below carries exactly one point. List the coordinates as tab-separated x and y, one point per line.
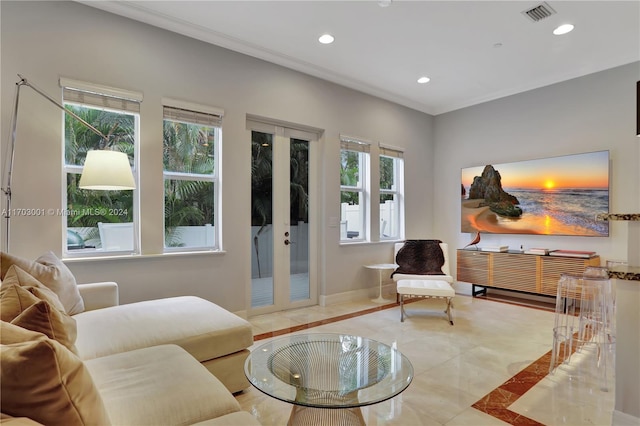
328	377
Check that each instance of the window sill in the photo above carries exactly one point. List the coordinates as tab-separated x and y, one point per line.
357	243
143	256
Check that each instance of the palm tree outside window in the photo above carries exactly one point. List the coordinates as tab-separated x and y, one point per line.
118	119
391	194
354	185
191	142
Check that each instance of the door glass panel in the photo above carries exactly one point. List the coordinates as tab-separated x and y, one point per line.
299	219
261	219
280	228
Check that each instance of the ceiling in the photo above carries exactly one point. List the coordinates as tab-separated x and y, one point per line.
473	51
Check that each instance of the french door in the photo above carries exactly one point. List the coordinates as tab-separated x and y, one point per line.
283	197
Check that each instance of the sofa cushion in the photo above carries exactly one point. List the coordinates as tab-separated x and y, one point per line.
43	318
44	381
17	275
51	272
14	299
242	418
202	328
159	385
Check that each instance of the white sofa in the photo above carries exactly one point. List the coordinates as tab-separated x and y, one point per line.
168	334
214	336
143	360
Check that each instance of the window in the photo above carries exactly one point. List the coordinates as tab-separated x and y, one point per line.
354	196
99	221
391	193
191	146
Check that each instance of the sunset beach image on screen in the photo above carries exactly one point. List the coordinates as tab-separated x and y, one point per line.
548	196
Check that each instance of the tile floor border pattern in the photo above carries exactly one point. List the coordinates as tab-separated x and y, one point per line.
318	323
496	402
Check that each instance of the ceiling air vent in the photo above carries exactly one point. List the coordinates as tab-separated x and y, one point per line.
538	13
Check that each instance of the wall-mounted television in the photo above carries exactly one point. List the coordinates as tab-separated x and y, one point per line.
547	196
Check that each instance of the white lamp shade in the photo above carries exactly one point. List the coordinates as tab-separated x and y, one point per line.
107	170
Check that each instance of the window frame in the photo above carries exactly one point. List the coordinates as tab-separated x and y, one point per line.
362	148
214	178
110	98
397	190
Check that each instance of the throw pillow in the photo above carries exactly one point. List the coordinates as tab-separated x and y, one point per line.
13	300
43	318
51	272
13	334
17	275
42	380
19	421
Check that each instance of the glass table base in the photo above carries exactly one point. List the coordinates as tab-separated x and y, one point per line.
310	416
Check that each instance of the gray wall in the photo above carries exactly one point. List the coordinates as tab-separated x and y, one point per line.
591	113
46	40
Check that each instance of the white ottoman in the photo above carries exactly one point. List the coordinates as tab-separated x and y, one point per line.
437	289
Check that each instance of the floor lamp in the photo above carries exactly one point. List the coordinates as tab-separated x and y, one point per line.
103	169
638	109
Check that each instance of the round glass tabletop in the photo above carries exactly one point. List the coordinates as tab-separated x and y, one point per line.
328	370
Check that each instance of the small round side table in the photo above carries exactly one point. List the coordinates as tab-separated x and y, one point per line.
381	267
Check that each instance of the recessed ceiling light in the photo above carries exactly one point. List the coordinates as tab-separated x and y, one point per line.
326	39
423	80
563	29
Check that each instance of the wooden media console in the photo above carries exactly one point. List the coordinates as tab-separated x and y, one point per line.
516	271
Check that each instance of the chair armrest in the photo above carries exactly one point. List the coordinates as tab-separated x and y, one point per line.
99	295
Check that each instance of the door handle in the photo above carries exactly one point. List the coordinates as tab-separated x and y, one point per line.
287	242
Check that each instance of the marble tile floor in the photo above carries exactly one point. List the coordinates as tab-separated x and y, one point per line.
490	368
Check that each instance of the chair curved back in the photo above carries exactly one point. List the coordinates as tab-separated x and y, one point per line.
445	266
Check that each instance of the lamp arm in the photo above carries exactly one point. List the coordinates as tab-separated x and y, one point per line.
23	81
6	188
11	148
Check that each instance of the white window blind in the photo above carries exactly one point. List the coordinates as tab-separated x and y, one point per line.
391	151
100	96
100	101
192	117
352	144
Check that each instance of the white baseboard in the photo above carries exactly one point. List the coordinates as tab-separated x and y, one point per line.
388	290
346	296
618	418
242	314
462	288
